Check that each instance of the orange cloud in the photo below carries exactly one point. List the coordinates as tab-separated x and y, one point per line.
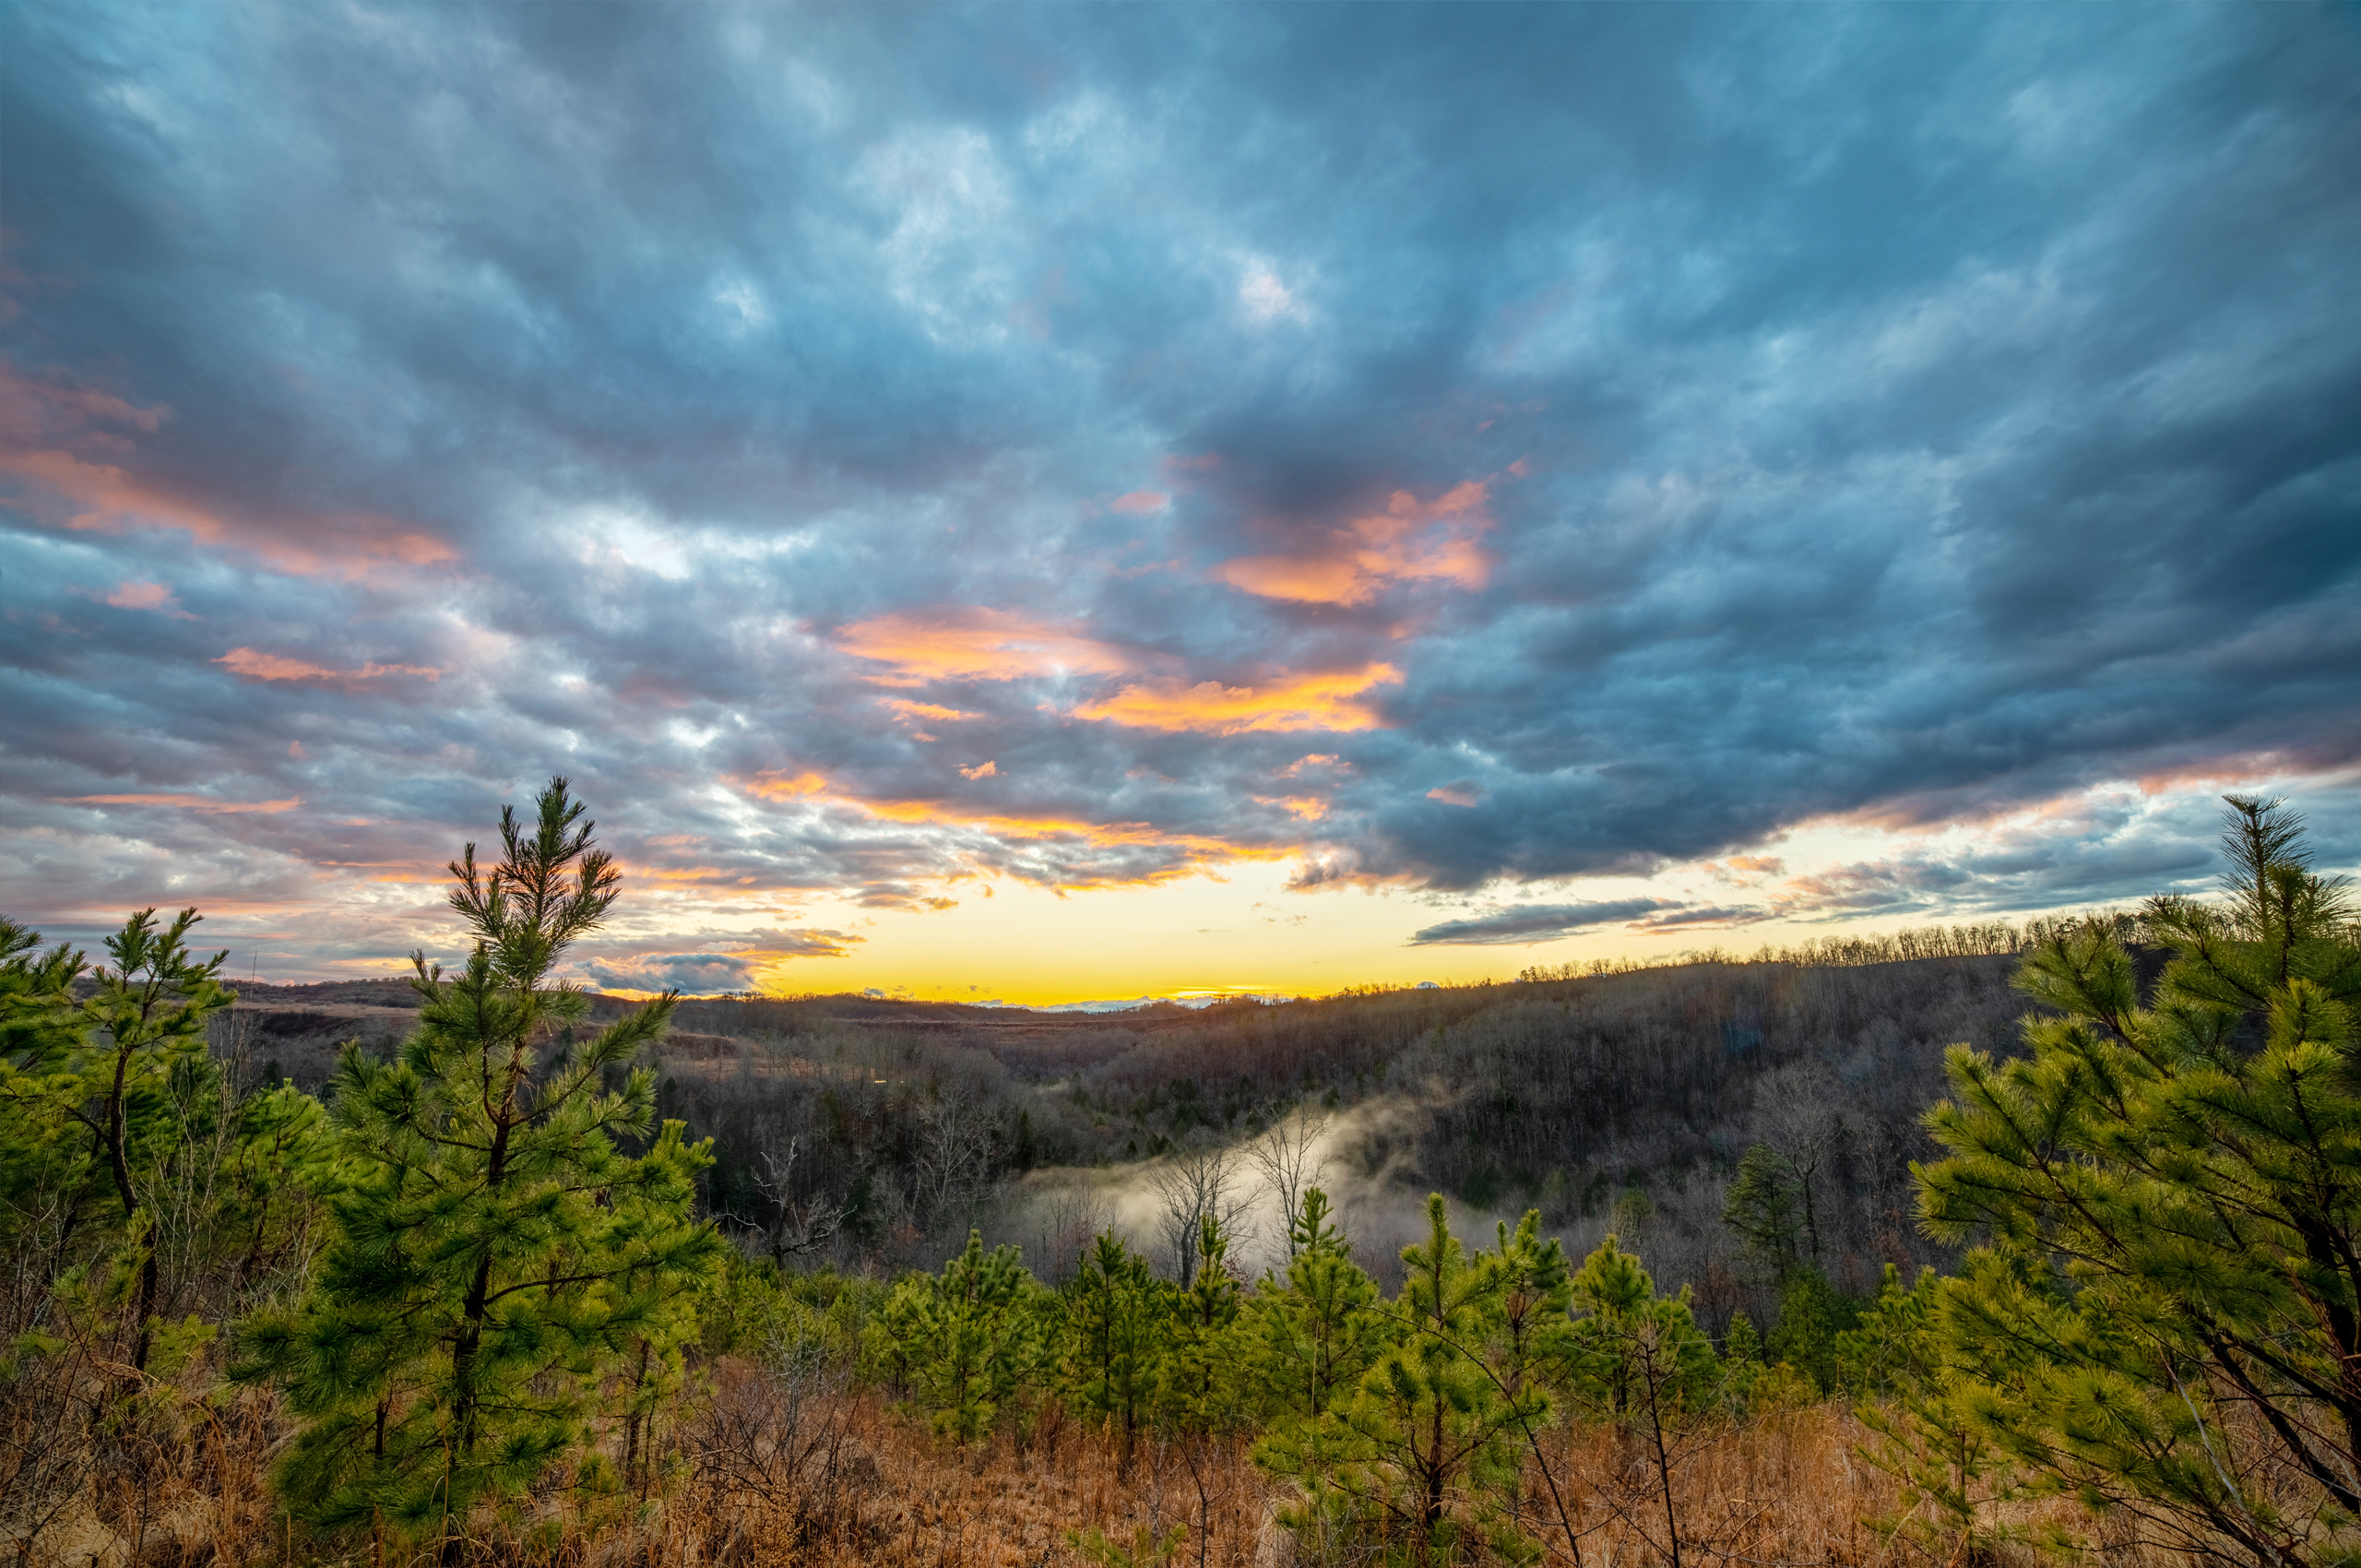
905	709
193	802
1097	834
1297	702
1745	870
1309	808
256	665
777	784
985	770
111	496
1456	794
970	643
1191	851
1409	541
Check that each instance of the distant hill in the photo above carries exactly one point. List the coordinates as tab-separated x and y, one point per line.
1621	1100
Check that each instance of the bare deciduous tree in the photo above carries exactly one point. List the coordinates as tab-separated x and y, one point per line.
1291	1160
954	1156
1061	1223
1198	1181
1797	1109
771	1439
798	1226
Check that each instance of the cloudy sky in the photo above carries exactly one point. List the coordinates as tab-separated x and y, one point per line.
1083	502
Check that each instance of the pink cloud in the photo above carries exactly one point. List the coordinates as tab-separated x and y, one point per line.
256	665
140	595
1140	503
53	438
37	411
146	596
191	802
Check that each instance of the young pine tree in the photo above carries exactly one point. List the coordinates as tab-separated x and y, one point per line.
1430	1433
1765	1208
1202	1397
1813	1316
1314	1337
150	1008
1115	1323
46	1152
2165	1315
1639	1359
1922	1409
1741	1364
109	1105
1197	1385
1309	1342
1527	1339
495	1254
142	1199
965	1341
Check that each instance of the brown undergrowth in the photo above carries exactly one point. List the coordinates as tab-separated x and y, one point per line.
804	1469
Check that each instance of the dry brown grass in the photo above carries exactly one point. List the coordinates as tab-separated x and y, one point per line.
1790	1488
796	1472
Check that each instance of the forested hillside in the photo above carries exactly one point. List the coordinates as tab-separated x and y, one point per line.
1625	1098
1635	1265
1621	1099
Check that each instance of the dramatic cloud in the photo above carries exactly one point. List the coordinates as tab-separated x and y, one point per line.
1407	542
881	452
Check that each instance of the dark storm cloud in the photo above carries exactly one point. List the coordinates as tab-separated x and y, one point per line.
697	974
1447	446
1704	918
1535	922
732	967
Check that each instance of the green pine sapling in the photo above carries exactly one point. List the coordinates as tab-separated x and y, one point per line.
2163	1312
495	1253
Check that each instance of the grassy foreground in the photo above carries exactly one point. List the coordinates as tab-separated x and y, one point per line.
809	1468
